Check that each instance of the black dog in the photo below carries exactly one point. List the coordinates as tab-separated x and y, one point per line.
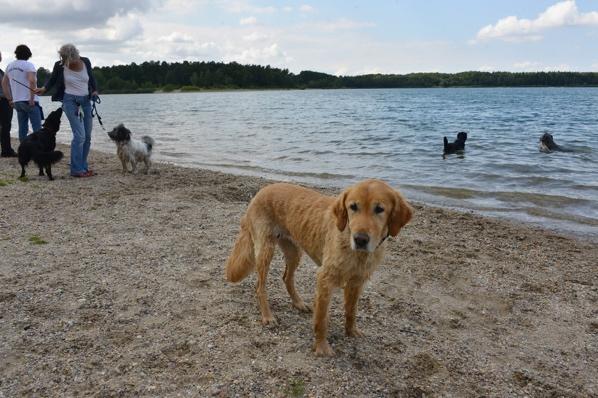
40	146
458	145
547	144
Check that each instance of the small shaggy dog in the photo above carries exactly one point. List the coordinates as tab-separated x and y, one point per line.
458	145
130	150
39	146
547	144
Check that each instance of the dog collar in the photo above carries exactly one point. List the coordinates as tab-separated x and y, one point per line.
382	241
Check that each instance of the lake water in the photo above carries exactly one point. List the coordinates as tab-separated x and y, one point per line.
336	137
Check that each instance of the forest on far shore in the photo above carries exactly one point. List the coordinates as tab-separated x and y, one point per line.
155	76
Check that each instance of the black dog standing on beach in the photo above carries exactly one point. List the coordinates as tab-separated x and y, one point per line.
457	146
39	146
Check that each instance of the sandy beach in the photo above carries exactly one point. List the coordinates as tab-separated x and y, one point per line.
114	286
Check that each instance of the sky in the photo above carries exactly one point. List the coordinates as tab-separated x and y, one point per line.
332	36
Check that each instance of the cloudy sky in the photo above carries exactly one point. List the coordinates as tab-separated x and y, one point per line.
334	36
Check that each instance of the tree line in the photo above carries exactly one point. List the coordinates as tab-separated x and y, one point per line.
154	76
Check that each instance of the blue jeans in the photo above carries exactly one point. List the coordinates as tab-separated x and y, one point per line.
78	112
25	113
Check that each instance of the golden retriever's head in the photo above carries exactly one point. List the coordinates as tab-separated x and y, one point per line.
373	210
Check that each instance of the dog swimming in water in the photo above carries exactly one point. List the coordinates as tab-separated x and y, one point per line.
547	144
457	146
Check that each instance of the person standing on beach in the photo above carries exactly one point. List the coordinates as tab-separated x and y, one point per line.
5	122
75	86
18	86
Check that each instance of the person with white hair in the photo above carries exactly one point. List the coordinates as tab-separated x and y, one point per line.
75	87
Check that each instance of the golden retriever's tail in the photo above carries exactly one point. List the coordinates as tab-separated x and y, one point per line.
242	259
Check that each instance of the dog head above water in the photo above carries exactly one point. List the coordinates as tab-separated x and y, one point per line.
462	136
52	122
547	143
120	134
373	211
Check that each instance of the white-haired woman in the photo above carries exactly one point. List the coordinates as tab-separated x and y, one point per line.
75	86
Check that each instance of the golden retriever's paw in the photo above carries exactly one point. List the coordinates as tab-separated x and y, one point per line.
354	332
269	321
323	349
301	306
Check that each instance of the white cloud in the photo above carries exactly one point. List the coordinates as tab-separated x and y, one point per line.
61	14
118	29
341	24
306	8
268	54
176	37
248	21
533	66
244	6
255	36
512	28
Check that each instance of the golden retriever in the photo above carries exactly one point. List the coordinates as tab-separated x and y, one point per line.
344	236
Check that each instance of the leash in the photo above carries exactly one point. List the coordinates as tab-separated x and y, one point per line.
24	85
94	111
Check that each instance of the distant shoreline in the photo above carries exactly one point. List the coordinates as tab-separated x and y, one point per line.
216	90
197	76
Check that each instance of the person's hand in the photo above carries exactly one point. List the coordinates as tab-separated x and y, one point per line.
40	91
94	93
11	103
31	102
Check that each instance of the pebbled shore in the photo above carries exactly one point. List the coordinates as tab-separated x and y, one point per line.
113	286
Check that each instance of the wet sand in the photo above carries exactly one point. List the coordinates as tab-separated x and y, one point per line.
113	286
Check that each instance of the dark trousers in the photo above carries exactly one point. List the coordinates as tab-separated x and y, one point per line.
5	125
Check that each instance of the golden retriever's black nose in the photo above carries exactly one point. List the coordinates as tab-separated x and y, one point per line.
361	240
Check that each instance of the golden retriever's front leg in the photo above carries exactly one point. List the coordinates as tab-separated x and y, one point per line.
323	293
352	293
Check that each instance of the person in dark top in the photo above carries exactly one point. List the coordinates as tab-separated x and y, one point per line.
5	123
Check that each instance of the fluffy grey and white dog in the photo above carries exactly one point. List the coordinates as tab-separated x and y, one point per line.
131	150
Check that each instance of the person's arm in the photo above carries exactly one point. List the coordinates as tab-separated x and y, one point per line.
92	79
51	81
6	88
32	87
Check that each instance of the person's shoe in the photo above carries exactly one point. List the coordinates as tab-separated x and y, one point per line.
83	174
11	154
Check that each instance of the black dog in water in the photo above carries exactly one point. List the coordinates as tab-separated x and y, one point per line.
40	146
458	145
547	144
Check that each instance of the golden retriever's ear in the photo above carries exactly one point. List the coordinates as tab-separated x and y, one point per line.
340	211
401	215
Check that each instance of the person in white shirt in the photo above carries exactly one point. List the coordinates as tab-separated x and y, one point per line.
19	84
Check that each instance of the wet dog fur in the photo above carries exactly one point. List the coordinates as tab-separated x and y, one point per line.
547	143
456	146
343	235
